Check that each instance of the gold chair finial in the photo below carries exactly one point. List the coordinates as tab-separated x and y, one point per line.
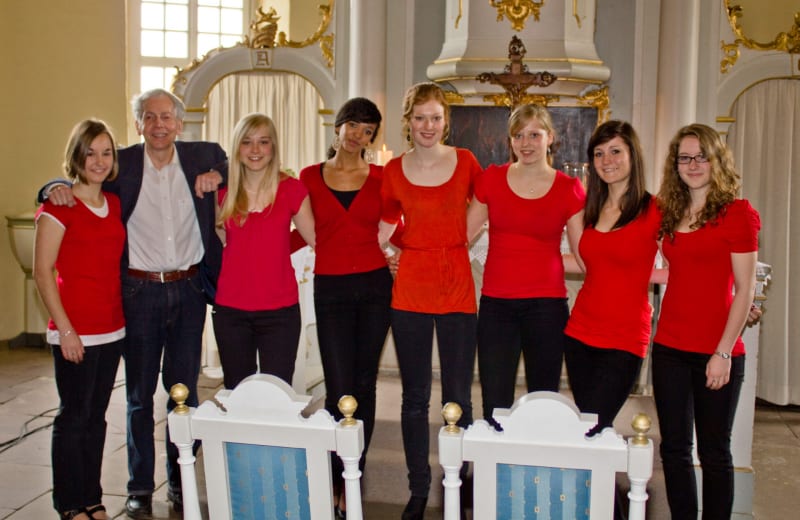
451	413
348	405
180	393
641	425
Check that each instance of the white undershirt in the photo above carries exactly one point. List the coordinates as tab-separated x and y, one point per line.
163	232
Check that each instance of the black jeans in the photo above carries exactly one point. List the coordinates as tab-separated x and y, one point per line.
413	337
256	341
600	378
79	429
683	402
507	328
352	322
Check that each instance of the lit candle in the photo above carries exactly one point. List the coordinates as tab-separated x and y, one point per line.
383	156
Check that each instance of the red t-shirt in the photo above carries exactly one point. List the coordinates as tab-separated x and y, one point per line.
88	266
612	308
524	257
700	289
257	272
435	275
347	238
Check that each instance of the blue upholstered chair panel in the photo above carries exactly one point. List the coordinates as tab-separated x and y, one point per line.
267	482
542	493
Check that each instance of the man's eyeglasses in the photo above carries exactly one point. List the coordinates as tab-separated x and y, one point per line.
686	159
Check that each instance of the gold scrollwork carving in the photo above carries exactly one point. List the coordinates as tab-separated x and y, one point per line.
731	51
453	98
787	41
598	99
325	40
517	11
263	29
504	100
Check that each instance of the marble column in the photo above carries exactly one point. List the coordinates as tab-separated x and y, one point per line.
676	104
367	56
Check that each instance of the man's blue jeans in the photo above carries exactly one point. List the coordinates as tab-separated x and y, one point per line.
160	319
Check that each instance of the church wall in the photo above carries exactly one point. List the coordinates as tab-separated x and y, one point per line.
62	61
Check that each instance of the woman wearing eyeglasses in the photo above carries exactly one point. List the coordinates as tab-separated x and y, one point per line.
710	241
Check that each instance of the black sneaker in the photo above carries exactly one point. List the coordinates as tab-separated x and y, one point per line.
176	497
415	509
139	507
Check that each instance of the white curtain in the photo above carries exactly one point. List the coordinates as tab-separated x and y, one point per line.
766	143
292	102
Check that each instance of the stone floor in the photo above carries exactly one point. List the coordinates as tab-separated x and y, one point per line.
28	401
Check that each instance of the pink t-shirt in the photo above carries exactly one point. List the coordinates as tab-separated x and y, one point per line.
524	258
257	272
612	309
700	289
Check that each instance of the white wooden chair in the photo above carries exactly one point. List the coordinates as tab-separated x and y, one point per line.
541	465
263	460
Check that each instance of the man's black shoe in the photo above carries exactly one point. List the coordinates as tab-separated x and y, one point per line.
139	507
176	497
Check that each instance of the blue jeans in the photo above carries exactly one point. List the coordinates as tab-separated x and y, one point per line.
533	327
161	319
413	337
268	337
600	378
79	429
352	322
684	403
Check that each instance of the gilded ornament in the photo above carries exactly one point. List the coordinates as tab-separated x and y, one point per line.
451	412
179	393
787	41
264	29
515	78
641	425
598	99
517	11
347	406
453	98
325	40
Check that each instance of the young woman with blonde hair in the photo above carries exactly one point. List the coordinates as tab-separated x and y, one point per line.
256	311
523	307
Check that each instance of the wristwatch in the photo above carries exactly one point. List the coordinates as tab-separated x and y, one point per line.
723	355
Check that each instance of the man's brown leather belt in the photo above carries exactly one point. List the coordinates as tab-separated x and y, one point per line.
163	277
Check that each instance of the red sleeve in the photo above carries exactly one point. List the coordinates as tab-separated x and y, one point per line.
484	179
578	198
296	191
390	205
742	230
60	214
474	169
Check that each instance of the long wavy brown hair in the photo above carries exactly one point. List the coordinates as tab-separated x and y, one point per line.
673	196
